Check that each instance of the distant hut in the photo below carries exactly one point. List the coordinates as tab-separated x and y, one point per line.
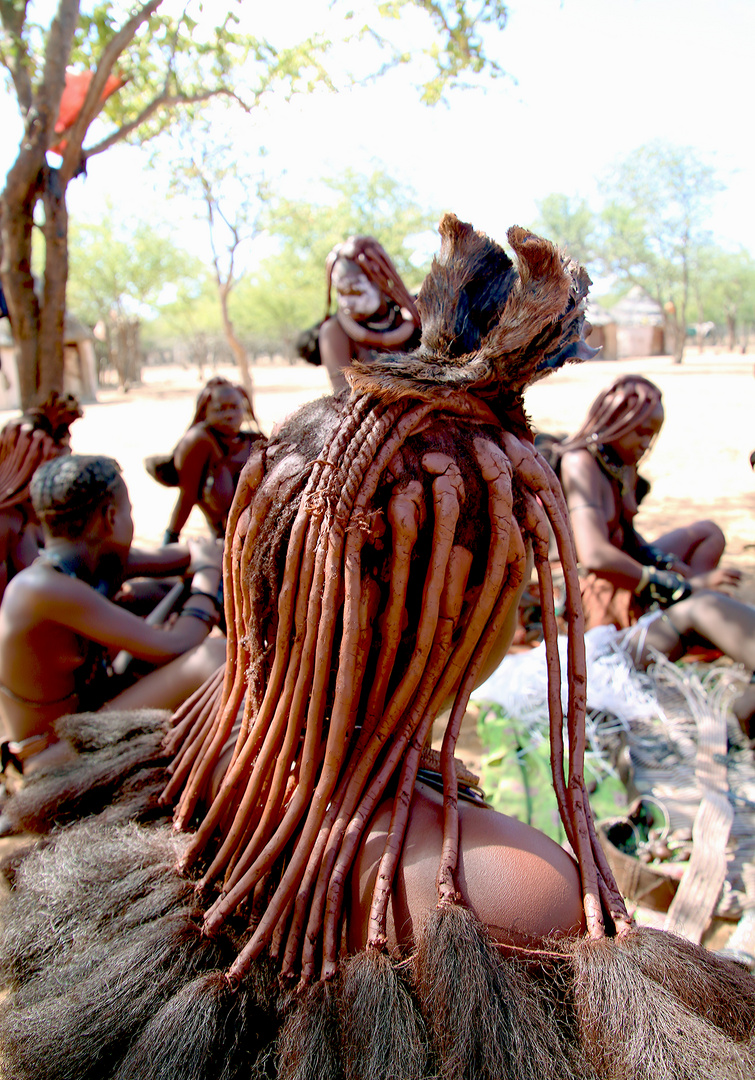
640	325
602	333
79	361
79	366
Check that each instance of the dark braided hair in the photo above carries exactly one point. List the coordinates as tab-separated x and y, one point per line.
205	396
66	491
372	258
619	409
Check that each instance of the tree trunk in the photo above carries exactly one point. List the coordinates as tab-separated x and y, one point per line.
53	312
27	182
731	329
679	340
16	217
238	350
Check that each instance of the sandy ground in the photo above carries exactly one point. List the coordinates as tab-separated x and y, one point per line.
699	467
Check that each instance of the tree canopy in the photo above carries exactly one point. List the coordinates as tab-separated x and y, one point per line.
650	228
654	225
286	292
166	62
124	267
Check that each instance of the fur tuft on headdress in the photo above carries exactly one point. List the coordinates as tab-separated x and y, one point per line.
488	326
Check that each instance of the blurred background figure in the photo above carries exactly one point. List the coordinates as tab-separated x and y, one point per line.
26	442
206	463
375	311
623	574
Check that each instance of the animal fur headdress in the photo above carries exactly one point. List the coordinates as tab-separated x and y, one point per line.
488	327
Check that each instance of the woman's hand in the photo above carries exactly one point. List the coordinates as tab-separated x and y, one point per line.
721	578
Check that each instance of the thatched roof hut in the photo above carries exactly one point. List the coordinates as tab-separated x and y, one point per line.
79	370
602	333
640	325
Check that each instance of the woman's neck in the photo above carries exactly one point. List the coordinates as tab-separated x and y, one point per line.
103	570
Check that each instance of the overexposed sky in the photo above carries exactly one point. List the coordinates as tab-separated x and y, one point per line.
591	81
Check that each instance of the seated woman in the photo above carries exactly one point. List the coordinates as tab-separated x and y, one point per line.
38	435
597	467
59	629
376	552
207	460
375	312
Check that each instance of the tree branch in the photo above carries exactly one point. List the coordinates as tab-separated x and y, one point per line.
13	19
92	102
41	116
163	100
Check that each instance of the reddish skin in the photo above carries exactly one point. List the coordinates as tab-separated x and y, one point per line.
196	457
20	541
45	614
595	518
518	882
337	349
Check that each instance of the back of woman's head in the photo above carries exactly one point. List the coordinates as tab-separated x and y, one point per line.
66	491
374	557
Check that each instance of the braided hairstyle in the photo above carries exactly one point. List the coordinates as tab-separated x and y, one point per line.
38	435
619	409
66	492
374	261
217	382
375	553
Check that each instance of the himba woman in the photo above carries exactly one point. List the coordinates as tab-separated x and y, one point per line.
670	589
598	471
39	434
206	462
318	910
59	626
375	312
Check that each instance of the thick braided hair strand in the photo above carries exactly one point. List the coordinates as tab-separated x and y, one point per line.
374	553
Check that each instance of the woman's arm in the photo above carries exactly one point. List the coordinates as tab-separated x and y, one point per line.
78	607
192	457
335	351
157	562
585	497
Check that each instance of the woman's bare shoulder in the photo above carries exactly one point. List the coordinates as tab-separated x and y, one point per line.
196	443
40	578
578	468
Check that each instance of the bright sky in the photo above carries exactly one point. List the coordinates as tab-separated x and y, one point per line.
594	79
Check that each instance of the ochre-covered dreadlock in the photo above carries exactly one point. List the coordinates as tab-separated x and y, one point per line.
367	582
374	553
620	408
39	434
